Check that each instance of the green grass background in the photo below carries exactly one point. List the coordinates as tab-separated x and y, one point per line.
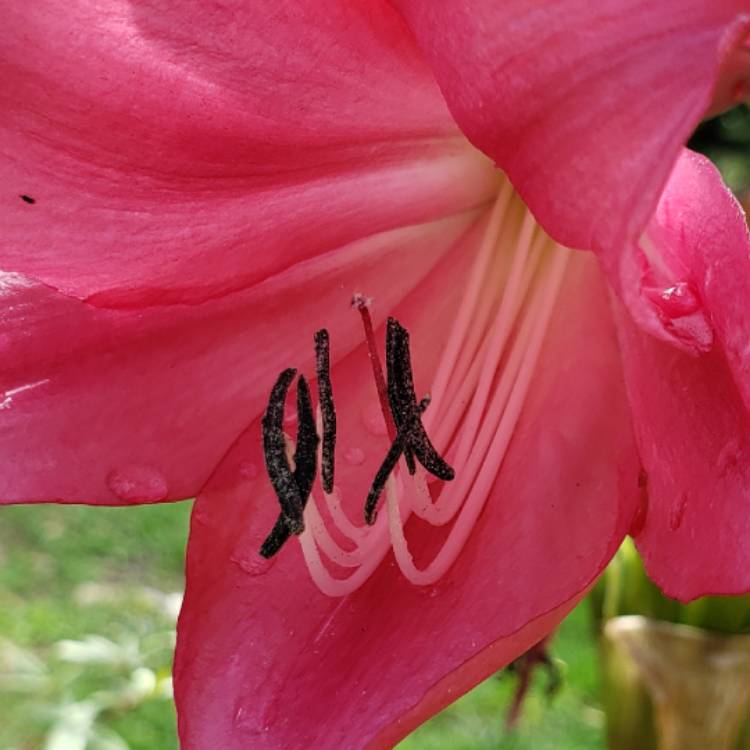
47	556
50	554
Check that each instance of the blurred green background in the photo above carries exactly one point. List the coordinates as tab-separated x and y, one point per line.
89	598
88	601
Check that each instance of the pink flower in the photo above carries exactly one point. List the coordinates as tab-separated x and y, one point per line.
193	189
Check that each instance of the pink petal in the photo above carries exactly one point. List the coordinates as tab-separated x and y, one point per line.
694	437
471	673
139	405
703	236
205	178
691	407
265	660
178	152
733	85
585	105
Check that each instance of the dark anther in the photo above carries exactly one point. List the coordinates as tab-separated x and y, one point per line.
305	455
396	397
402	412
306	452
388	465
276	539
411	438
327	409
27	199
411	411
274	450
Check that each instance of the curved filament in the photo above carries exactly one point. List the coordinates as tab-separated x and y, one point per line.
487	368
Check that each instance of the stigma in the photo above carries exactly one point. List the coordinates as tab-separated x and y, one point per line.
445	447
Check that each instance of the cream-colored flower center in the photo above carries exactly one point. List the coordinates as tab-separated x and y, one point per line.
478	393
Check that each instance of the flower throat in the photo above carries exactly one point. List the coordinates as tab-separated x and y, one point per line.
467	422
401	411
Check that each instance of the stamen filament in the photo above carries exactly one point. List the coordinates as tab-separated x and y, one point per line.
327	408
458	332
487	366
452	497
476	501
502	330
364	541
335	552
342	586
495	340
347	527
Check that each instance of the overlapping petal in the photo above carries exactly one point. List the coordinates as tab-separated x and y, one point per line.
179	151
702	233
180	159
192	189
265	660
691	407
176	156
585	105
139	405
693	431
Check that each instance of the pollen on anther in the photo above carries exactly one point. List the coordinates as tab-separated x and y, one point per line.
303	476
292	488
327	409
411	440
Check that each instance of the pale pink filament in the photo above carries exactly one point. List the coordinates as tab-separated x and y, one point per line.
448	414
474	502
487	365
370	544
478	274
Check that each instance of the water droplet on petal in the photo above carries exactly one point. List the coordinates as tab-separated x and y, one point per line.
253	564
138	484
372	418
248	470
355	456
678	300
682	315
430	592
